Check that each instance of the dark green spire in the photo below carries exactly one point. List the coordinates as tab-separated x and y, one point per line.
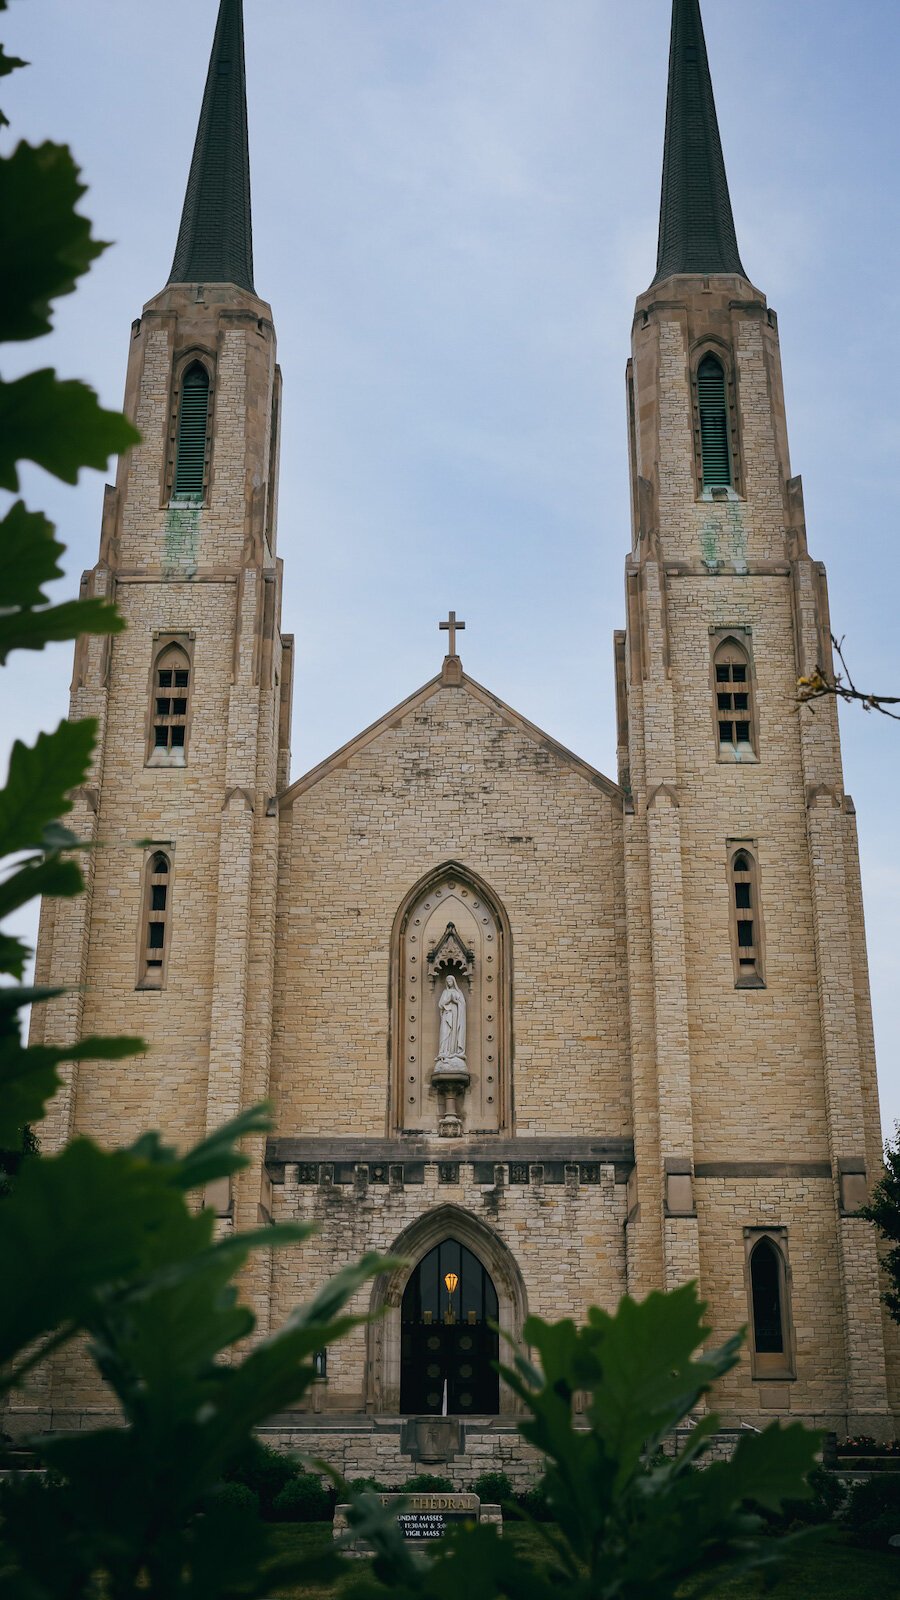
696	226
215	243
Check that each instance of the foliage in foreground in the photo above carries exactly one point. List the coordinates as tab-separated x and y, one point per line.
884	1210
628	1523
107	1248
47	246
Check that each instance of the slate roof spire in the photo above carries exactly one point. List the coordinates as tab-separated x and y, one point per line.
696	225
215	242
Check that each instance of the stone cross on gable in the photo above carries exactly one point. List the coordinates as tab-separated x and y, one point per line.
451	626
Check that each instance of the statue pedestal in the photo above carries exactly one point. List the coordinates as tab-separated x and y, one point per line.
451	1078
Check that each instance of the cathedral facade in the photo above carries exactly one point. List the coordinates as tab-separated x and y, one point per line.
545	1036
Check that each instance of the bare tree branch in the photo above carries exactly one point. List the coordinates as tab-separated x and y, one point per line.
839	685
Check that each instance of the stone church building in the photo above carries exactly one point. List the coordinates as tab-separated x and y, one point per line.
548	1036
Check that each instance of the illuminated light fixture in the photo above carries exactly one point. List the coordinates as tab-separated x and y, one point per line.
451	1280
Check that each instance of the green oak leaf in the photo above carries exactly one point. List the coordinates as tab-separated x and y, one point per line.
39	780
29	556
39	186
31	630
59	425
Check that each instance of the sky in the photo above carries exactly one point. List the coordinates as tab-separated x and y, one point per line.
455	206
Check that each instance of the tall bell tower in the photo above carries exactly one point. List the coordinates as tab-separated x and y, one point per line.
193	700
754	1095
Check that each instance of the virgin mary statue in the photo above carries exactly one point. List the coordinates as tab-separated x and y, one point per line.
452	1011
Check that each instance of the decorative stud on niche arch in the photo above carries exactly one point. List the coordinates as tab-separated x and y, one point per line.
451	1002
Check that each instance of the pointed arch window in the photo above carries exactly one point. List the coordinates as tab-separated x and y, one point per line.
712	405
746	919
170	706
155	921
734	707
768	1290
193	430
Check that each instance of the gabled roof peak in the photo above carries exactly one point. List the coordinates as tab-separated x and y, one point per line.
696	225
215	242
492	702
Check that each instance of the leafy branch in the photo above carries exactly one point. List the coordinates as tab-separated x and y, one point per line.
822	684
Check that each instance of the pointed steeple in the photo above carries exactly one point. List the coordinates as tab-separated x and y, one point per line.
215	243
696	225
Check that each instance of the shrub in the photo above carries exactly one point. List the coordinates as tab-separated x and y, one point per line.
877	1497
263	1470
369	1486
535	1504
875	1534
493	1487
237	1497
303	1499
825	1503
428	1483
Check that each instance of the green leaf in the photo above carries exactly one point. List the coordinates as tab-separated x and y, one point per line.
14	955
215	1157
79	1221
47	876
650	1379
768	1467
28	1078
9	64
39	780
31	630
29	556
56	837
59	425
40	187
26	1087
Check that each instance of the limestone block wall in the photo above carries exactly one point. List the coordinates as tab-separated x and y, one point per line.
804	1206
182	808
756	1054
451	778
553	1250
375	1452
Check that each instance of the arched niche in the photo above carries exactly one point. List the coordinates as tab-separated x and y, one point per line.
451	923
384	1332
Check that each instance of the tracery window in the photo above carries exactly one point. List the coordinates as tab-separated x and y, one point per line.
746	919
192	439
155	922
170	690
734	701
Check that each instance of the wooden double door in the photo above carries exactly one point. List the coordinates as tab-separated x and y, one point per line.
448	1343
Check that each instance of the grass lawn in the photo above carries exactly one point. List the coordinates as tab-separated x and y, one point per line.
832	1570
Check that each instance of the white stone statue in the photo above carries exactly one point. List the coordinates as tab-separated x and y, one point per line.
452	1010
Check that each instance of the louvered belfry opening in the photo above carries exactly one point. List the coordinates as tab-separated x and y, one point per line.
712	403
193	421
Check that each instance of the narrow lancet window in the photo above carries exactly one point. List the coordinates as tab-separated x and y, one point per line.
746	925
765	1279
193	420
712	403
169	718
734	709
155	922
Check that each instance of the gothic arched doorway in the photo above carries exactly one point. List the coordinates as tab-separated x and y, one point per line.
384	1335
448	1336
